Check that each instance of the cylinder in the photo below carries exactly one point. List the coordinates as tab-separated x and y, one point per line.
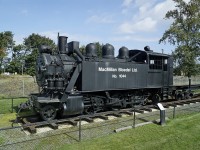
51	84
62	44
59	83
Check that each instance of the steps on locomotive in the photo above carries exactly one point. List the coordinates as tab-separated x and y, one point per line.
165	93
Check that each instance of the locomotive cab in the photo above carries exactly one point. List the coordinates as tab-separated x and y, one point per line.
158	76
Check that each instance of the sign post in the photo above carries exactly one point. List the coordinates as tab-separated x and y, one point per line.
162	113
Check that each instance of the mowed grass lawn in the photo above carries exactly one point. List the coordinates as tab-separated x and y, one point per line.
6	108
178	134
6	104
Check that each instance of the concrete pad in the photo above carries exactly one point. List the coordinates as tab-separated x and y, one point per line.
125	115
153	110
43	129
145	112
82	122
185	104
110	117
98	120
170	107
64	126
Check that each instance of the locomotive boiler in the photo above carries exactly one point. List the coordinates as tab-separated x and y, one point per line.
73	83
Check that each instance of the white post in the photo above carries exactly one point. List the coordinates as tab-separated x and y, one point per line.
23	87
22	81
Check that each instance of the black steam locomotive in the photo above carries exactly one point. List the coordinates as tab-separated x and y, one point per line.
73	83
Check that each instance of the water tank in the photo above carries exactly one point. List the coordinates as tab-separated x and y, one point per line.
91	50
108	51
123	53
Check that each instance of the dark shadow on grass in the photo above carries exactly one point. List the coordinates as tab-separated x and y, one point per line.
156	122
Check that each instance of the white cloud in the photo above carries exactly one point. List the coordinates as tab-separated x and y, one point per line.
140	3
102	19
134	38
126	6
146	25
154	10
148	16
126	3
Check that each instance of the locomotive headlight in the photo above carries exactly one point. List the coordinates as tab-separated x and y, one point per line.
43	68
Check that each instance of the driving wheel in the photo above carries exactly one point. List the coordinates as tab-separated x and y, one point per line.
48	113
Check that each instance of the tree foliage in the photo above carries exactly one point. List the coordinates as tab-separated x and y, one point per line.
184	33
99	49
6	42
32	44
17	62
23	55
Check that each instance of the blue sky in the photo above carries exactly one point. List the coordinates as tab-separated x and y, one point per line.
130	23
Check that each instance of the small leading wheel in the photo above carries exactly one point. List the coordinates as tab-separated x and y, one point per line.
48	113
145	101
156	99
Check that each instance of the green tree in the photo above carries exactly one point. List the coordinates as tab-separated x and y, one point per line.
82	49
18	56
99	49
6	43
32	44
184	34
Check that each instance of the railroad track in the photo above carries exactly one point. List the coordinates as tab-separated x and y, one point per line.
31	123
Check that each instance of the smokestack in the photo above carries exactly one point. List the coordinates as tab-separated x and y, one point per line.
62	44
